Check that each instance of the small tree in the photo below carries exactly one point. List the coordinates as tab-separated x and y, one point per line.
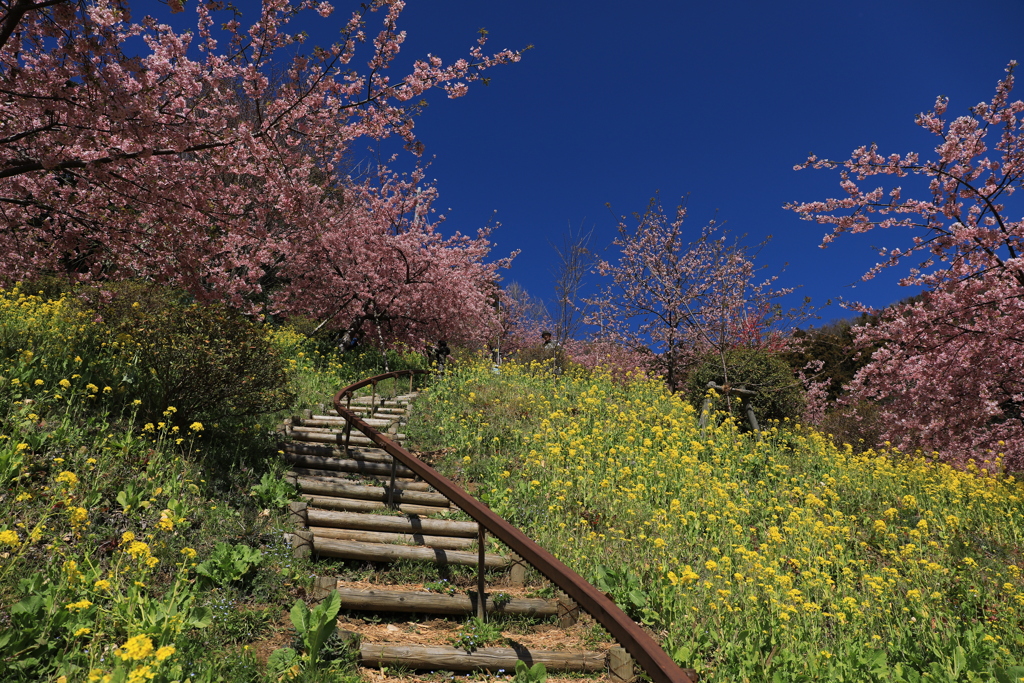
950	374
675	301
575	260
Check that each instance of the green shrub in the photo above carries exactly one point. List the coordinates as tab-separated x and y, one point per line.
206	361
779	394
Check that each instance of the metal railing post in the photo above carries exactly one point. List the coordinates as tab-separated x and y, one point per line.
391	488
348	427
481	582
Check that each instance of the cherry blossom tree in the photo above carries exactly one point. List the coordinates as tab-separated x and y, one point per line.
949	377
382	269
189	162
674	300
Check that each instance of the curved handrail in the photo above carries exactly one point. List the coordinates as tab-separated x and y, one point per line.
644	649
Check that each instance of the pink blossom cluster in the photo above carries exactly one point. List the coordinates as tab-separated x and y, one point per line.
949	378
609	356
218	160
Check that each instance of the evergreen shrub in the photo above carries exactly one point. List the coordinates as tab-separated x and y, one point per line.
779	394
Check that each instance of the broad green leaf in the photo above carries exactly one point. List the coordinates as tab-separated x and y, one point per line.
300	617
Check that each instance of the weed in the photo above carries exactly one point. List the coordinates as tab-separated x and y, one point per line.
475	634
440	586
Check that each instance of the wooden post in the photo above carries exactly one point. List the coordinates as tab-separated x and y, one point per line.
620	665
411	376
302	543
373	397
517	573
298	514
568	611
481	582
323	586
307	414
391	487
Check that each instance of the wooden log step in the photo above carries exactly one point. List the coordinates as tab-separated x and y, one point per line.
355	453
485	659
392	523
376	400
355	439
339	465
443	542
342	490
327	422
435	603
379	552
335	437
363	411
343	478
352	505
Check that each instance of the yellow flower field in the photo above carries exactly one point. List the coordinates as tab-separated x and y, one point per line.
784	558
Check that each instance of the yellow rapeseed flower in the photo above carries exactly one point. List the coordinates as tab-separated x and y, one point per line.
138	549
137	647
65	477
9	537
78	606
166	522
79	516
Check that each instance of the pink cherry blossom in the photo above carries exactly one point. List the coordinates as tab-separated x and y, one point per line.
217	160
949	377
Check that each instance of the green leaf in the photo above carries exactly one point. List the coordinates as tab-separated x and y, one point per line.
331	605
281	659
959	660
200	617
638	597
300	617
1010	674
681	655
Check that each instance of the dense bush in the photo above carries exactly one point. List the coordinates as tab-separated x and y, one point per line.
204	360
779	394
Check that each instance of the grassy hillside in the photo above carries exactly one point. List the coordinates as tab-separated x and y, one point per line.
784	559
141	543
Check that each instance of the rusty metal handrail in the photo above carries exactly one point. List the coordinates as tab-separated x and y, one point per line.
644	650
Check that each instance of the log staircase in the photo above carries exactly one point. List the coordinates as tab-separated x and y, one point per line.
358	502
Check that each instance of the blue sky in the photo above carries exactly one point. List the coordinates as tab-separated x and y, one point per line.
717	101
